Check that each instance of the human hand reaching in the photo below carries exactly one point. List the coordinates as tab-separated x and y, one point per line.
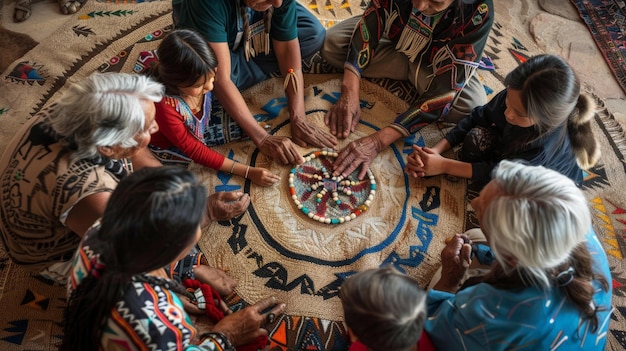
304	134
262	176
245	326
344	115
357	153
226	205
280	148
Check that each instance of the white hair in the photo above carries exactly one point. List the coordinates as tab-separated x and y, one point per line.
103	110
539	217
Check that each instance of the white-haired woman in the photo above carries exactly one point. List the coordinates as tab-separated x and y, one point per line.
59	171
549	286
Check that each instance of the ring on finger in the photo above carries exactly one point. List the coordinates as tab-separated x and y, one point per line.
270	318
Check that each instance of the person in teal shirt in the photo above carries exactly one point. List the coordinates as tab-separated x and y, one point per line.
253	39
550	286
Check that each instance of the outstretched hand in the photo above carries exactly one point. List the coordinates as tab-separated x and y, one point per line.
360	152
226	205
304	134
263	177
243	327
344	115
282	149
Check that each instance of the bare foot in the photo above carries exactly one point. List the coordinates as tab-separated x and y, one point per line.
216	278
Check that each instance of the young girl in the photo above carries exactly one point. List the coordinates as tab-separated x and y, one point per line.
188	123
120	297
541	117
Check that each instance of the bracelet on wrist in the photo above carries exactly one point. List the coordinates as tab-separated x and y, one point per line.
219	340
247	170
232	168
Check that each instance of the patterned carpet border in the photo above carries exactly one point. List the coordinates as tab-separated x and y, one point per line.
606	20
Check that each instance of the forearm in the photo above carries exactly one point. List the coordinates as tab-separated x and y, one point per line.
442	146
290	64
236	168
386	137
457	168
234	104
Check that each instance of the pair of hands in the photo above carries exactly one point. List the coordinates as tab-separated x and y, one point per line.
424	161
303	134
342	119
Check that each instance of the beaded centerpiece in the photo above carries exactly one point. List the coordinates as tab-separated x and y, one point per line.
328	199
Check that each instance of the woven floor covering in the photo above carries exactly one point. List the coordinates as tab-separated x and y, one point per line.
606	20
273	248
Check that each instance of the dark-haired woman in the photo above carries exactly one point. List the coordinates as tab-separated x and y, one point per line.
549	287
541	117
120	297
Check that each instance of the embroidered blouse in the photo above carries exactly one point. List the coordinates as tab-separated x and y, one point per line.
181	130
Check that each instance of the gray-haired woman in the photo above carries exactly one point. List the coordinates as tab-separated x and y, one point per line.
58	173
549	287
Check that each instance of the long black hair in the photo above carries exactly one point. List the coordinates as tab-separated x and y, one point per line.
151	218
184	57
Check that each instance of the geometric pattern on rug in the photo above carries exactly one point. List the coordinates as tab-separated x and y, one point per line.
606	21
90	42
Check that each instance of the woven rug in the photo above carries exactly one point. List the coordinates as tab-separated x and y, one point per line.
606	20
274	248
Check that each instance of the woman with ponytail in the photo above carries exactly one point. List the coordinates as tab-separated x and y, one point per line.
540	117
120	297
550	285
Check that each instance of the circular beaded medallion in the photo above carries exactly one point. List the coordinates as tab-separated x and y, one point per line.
328	199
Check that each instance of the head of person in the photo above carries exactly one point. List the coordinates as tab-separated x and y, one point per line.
151	220
110	114
157	212
384	309
533	218
187	64
543	91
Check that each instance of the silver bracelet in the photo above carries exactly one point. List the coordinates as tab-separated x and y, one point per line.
232	168
247	170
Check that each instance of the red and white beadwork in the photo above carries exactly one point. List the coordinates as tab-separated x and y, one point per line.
325	198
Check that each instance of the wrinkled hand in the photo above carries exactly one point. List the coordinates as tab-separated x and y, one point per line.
282	149
244	326
344	115
226	205
263	177
360	152
455	261
304	134
216	278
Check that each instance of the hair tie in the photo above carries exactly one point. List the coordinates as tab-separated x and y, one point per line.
97	267
293	78
565	277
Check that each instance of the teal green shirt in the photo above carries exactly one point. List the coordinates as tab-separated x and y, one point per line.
216	20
